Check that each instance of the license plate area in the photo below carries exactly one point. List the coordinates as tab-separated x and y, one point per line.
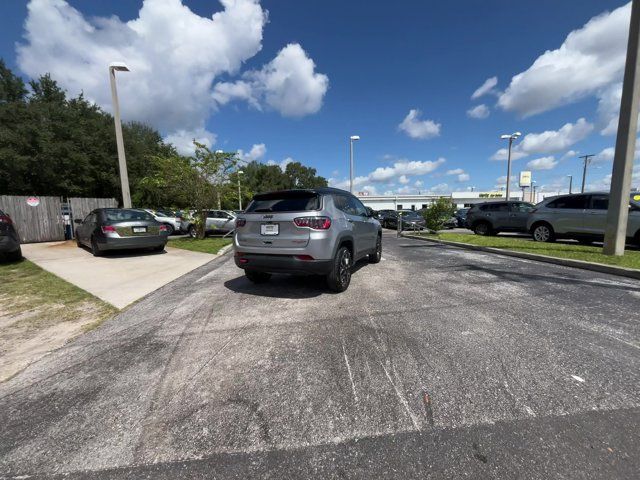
269	229
139	229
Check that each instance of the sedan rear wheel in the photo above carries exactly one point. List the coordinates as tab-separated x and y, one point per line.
193	232
170	228
95	250
340	276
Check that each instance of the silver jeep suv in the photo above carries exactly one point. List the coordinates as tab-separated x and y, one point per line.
321	231
582	217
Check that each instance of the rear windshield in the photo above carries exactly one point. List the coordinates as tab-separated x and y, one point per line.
284	202
126	215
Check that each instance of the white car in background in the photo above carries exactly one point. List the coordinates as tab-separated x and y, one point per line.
168	218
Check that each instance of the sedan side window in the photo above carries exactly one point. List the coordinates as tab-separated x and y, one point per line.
578	202
357	207
342	203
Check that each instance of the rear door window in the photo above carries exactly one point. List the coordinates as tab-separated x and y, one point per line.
295	201
576	202
599	202
126	215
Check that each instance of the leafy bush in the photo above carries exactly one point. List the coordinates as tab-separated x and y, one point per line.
438	213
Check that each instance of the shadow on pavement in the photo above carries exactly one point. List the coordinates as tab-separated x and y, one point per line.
287	286
131	252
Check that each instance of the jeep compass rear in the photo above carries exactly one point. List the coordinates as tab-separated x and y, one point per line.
320	231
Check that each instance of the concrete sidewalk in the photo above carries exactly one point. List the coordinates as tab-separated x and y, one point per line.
118	279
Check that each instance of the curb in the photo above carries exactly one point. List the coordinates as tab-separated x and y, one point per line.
225	249
565	262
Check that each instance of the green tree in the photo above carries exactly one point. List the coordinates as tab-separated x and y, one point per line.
438	212
12	88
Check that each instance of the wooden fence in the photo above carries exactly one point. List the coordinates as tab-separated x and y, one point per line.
42	219
81	207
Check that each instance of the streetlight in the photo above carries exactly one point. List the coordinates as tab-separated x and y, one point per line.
122	160
587	161
352	139
570	183
511	138
240	172
534	199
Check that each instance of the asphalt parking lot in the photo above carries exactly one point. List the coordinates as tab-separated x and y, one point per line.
436	363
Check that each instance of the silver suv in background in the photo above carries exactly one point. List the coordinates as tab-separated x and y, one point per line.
322	231
582	217
490	218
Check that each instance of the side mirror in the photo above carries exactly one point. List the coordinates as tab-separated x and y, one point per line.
77	221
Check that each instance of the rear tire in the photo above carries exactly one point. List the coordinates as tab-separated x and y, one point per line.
340	276
158	249
95	250
543	232
376	256
193	232
257	277
483	228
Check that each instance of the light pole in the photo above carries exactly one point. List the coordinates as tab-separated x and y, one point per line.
352	138
122	160
587	161
511	138
218	152
533	192
240	172
570	183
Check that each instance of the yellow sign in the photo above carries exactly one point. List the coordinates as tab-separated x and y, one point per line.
525	179
636	198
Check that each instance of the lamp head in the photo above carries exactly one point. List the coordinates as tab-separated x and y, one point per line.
119	66
354	137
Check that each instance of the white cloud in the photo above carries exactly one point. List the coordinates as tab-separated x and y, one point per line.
502	154
440	188
464	177
455	171
609	109
173	53
590	59
416	128
288	84
479	112
569	154
487	87
419	183
283	164
606	155
550	141
400	171
503	179
183	140
542	163
257	151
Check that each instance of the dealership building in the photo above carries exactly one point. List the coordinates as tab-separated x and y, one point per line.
418	201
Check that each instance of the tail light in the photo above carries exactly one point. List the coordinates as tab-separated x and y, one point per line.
5	219
108	229
304	257
164	228
315	223
240	222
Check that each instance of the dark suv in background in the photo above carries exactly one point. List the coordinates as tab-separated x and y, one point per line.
490	218
321	231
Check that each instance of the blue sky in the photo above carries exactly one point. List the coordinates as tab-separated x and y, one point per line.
359	67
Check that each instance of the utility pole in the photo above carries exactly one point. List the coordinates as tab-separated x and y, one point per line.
122	160
570	183
615	233
511	138
587	161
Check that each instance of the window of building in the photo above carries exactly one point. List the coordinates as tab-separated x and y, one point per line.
399	207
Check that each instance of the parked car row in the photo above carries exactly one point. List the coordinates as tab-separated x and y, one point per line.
581	217
411	220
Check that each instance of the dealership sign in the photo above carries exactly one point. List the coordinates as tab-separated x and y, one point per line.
33	201
525	179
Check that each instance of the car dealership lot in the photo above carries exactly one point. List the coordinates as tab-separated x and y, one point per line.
435	361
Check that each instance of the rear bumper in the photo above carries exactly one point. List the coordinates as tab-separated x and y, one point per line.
282	264
131	242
